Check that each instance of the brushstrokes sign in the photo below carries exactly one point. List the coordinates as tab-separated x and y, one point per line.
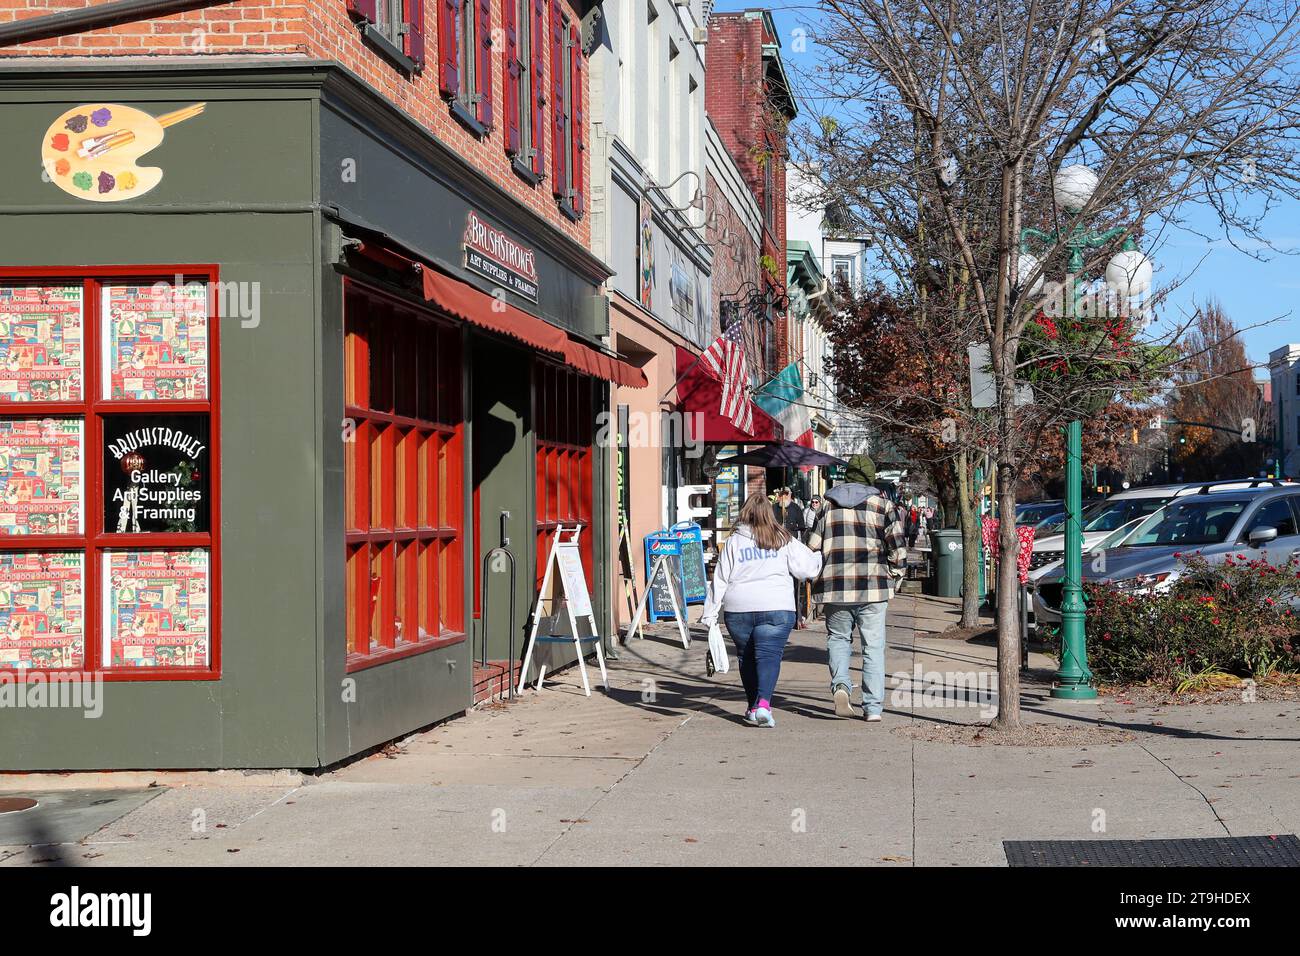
156	473
493	254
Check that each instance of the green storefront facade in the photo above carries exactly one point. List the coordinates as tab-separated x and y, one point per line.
381	393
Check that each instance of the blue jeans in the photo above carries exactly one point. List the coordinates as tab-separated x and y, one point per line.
760	638
870	621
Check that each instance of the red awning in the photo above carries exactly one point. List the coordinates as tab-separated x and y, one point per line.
462	300
701	394
478	308
806	439
588	360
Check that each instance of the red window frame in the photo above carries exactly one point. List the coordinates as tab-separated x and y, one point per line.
94	541
412	16
404	532
564	426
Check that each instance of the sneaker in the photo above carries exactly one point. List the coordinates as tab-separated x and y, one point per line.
843	708
763	717
873	718
749	718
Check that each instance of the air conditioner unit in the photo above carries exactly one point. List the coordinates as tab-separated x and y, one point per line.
700	35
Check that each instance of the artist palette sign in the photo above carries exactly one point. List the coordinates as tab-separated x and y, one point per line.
496	256
156	474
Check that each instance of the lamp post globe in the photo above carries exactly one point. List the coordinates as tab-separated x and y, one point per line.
1027	265
1073	186
1129	273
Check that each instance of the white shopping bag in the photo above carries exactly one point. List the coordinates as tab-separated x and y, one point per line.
716	660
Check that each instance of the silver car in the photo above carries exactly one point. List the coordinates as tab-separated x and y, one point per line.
1260	521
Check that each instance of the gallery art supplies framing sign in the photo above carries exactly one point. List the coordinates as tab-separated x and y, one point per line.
156	473
663	581
565	562
495	255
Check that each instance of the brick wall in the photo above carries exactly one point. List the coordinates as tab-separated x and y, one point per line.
737	100
318	29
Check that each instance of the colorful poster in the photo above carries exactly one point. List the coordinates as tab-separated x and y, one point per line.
40	343
41	610
155	341
40	476
156	609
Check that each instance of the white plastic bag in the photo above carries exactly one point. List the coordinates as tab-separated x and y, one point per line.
717	654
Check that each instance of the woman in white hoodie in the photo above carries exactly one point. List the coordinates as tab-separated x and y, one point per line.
751	590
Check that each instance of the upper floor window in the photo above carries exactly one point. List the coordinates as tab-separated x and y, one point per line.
568	168
393	27
465	61
524	86
842	270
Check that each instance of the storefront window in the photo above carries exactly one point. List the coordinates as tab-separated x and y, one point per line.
403	436
108	525
564	422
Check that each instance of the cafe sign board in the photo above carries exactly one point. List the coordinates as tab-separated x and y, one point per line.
495	255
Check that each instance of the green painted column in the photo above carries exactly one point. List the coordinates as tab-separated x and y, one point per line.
1073	679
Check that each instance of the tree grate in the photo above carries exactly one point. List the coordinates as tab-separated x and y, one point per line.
1283	850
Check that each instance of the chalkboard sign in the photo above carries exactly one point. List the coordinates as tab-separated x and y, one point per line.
695	583
666	545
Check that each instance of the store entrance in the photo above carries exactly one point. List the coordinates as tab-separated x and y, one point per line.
501	466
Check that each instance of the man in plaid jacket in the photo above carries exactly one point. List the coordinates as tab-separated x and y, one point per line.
864	557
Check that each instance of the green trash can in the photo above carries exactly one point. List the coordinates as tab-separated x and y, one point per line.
945	550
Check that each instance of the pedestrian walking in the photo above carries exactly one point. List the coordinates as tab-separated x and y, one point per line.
751	592
789	514
864	557
913	526
812	513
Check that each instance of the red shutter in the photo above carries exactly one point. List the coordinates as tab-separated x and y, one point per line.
576	120
414	35
559	170
536	44
510	75
364	9
448	60
484	72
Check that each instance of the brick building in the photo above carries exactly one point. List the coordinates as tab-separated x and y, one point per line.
748	98
300	323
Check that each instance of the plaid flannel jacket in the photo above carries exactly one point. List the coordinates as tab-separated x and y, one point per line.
864	551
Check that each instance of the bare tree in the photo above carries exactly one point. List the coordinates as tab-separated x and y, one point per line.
945	125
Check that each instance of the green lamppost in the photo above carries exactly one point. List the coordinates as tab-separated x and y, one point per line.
1129	274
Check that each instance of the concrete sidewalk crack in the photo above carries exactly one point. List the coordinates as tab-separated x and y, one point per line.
1190	786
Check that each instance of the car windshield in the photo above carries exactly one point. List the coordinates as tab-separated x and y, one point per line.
1199	520
1056	523
1115	513
1032	514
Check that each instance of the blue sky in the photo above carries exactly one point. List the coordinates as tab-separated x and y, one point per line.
1263	294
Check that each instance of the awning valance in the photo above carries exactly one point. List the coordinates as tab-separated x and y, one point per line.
462	301
701	397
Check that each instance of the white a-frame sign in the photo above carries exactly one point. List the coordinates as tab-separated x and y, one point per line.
660	571
565	560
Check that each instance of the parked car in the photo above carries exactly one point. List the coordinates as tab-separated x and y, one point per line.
1043	615
1034	512
1258	519
1104	517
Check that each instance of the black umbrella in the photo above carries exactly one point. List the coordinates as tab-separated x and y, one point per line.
786	454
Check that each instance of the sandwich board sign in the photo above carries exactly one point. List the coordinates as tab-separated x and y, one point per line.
663	555
564	566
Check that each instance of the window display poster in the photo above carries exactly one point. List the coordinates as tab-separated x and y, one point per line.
156	473
41	614
155	341
156	608
40	476
40	343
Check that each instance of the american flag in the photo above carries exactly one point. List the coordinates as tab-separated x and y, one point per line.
725	358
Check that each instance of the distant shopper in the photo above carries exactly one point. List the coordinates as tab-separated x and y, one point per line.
789	514
812	513
751	591
864	554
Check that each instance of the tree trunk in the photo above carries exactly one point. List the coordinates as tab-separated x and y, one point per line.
1008	615
970	543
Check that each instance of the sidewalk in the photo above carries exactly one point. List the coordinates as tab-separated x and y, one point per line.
661	771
